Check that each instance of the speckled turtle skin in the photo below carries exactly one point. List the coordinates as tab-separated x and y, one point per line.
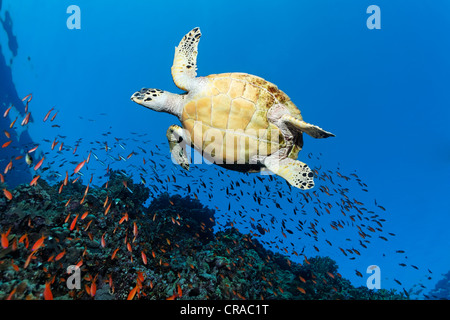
236	105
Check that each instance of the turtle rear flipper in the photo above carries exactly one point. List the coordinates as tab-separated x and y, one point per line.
177	145
185	61
295	172
310	129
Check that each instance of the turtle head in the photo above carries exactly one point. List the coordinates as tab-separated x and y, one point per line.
159	100
154	99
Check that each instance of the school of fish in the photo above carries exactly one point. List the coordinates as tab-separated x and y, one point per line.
327	220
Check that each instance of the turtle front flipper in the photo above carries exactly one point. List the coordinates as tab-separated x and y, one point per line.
310	129
295	172
185	61
177	144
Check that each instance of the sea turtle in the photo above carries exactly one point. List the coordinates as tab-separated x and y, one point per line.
240	121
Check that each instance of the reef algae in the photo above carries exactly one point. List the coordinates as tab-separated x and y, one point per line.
124	250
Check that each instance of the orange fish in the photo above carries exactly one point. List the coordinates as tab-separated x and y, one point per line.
39	243
48	292
107	209
12	123
79	166
93	288
84	215
306	260
8	167
27	262
24	239
26	119
7	194
135	229
103	240
7	143
48	114
39	164
301	290
132	293
87	189
144	257
88	289
34	181
66	179
29	97
172	297
114	254
60	255
72	225
54	116
125	217
6	112
5	242
87	227
67	218
54	144
32	150
11	294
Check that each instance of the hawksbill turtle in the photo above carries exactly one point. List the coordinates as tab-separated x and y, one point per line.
240	121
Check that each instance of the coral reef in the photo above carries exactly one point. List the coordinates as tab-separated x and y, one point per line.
441	291
124	250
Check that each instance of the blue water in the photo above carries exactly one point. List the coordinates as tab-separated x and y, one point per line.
383	93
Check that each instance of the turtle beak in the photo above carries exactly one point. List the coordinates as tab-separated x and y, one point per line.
135	96
150	98
138	96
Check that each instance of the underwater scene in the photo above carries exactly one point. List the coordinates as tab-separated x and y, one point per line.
224	150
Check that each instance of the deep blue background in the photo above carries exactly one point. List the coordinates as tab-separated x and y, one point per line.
383	93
